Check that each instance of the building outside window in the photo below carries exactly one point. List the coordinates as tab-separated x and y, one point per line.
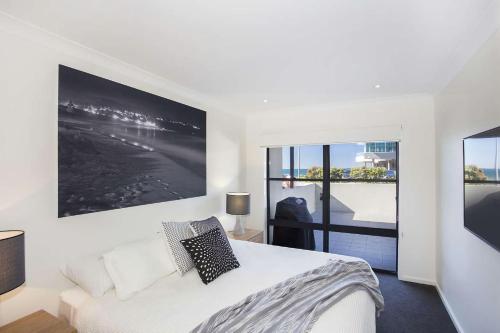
378	154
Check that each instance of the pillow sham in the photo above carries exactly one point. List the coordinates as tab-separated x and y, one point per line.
173	233
212	254
203	226
89	273
135	266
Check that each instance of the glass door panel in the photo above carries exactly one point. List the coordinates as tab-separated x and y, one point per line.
279	162
363	185
295	190
355	184
378	251
308	184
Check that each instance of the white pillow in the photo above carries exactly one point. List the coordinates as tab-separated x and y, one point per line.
89	273
135	266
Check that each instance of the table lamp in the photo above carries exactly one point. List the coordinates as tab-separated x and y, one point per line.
238	203
12	273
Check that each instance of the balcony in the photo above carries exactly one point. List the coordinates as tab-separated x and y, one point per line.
369	205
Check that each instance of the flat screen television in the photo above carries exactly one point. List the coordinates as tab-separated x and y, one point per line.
482	186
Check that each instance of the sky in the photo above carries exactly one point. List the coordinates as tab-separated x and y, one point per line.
341	156
481	152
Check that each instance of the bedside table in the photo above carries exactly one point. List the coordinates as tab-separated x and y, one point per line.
250	235
38	322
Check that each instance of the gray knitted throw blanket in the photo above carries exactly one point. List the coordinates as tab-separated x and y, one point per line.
294	305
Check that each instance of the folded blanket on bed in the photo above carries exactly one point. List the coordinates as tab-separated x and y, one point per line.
294	305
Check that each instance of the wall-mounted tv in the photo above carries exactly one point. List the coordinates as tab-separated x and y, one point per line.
482	186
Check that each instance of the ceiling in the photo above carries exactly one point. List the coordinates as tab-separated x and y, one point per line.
290	53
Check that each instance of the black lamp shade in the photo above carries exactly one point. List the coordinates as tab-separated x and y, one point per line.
238	203
12	273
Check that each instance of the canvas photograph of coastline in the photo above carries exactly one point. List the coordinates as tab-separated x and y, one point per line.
121	147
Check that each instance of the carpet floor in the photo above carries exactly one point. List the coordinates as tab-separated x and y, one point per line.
411	308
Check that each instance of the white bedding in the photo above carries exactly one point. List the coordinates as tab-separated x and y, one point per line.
178	304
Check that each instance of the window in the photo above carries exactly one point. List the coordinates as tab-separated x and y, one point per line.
353	207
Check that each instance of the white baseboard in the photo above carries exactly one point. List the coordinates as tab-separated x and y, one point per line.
450	310
416	280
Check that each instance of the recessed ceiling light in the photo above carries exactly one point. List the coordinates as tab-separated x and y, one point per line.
377	86
265	101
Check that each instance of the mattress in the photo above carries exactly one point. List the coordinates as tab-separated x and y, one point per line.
178	304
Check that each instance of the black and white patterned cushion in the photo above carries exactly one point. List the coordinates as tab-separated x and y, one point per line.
173	233
203	226
212	254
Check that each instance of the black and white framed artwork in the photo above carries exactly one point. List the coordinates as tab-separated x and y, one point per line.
121	147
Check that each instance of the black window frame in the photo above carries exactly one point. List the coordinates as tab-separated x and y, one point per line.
326	226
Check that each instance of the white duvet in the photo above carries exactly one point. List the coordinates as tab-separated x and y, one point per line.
178	304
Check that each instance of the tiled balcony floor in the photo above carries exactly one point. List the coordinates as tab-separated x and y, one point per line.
379	252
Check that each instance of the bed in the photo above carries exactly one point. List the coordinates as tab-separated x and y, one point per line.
178	304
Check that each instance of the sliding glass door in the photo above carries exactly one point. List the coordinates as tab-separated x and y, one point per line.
293	188
352	209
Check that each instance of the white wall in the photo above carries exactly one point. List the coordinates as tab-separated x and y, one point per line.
376	204
408	119
468	270
28	168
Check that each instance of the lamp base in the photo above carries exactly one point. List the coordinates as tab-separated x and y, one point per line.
239	229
